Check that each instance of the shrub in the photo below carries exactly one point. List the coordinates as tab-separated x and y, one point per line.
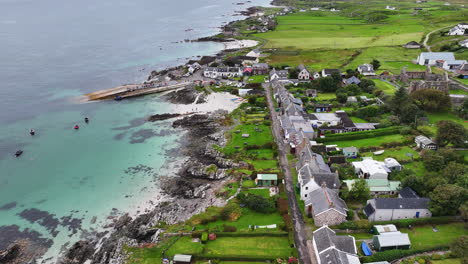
228	228
257	203
360	134
231	212
391	255
204	237
350	215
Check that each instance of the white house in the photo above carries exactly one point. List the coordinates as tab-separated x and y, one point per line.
370	169
458	30
281	75
220	72
424	142
389	209
392	164
332	249
328	72
453	65
431	58
463	43
316	75
390	8
315	9
244	92
303	74
366	69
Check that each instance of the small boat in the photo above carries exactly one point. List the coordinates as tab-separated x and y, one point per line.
76	127
18	153
118	98
380	152
365	249
86	120
32	132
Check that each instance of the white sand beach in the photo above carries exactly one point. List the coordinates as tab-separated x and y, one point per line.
240	44
214	101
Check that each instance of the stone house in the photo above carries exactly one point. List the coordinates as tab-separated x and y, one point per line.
326	207
303	74
260	69
332	249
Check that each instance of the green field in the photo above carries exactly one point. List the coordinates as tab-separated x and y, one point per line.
185	246
368	142
261	192
249	246
385	87
459	91
256	79
434	117
422	237
398	153
447	261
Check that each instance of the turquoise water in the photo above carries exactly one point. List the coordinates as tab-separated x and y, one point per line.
54	51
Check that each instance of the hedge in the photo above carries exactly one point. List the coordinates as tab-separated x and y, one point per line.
367	225
360	134
252	234
391	255
234	257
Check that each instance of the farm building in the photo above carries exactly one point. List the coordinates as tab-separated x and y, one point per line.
431	58
266	180
412	45
391	240
389	209
424	142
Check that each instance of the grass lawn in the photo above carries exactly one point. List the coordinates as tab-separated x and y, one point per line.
261	192
231	188
185	246
248	184
417	167
264	165
325	96
357	119
459	91
276	247
398	153
447	261
361	236
261	153
385	87
367	142
434	117
255	138
464	81
422	237
256	79
248	217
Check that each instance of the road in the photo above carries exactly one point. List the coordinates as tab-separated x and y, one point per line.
300	233
427	38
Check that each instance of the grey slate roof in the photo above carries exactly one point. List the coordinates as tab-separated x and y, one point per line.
401	203
316	162
324	199
407	192
326	238
330	71
369	209
351	80
446	56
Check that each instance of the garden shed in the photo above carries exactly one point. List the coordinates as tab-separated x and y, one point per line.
391	240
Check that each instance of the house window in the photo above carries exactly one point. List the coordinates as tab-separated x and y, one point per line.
305	195
307	188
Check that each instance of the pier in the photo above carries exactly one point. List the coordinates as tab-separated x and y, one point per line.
133	90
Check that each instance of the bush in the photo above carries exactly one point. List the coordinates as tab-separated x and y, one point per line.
360	134
350	215
257	203
231	212
367	225
228	228
204	237
391	255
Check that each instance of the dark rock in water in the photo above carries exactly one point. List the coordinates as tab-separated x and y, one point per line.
79	252
160	117
9	255
43	218
122	221
8	206
141	135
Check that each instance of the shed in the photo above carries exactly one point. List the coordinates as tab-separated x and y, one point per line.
179	258
267	180
391	240
350	152
380	229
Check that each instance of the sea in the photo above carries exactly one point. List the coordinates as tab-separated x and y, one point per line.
69	183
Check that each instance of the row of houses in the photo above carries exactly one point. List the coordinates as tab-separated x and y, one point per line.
318	185
305	75
459	30
229	72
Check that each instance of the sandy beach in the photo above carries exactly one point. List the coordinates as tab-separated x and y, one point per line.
214	101
240	44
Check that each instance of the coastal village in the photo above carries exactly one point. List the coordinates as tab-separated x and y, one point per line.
342	150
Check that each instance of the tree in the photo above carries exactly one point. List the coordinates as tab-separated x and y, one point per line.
453	171
433	161
459	248
446	199
353	89
409	113
449	132
257	203
360	191
342	97
367	85
336	76
376	64
252	100
327	84
399	100
431	100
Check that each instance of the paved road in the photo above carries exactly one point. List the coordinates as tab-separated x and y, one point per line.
300	234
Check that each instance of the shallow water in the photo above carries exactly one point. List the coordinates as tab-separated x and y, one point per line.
53	51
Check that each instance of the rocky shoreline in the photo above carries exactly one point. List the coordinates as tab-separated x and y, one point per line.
191	189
